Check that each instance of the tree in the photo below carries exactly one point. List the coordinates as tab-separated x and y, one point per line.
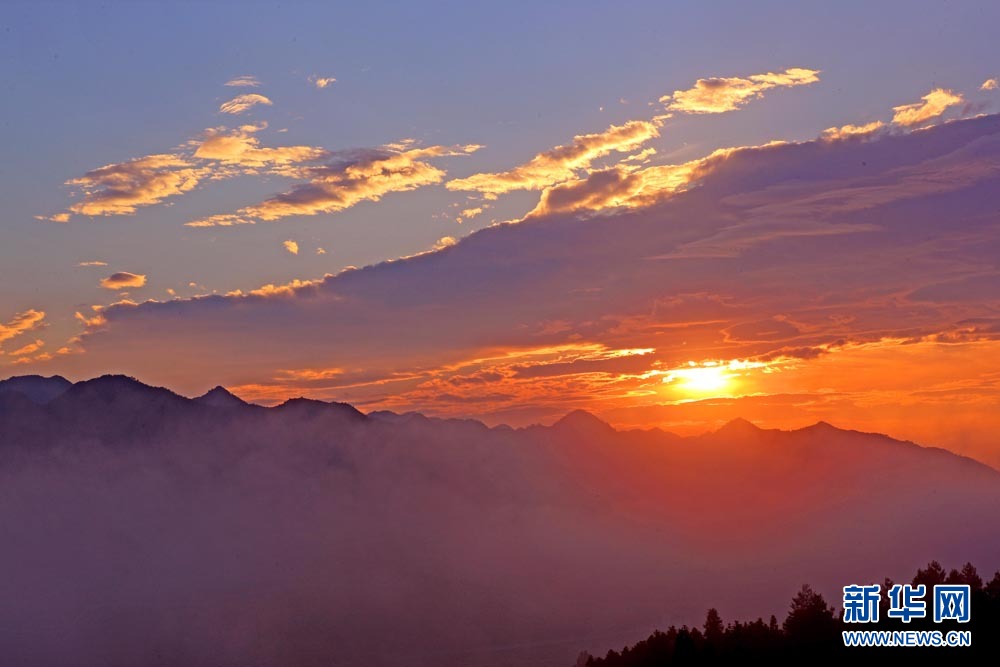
714	629
810	620
930	576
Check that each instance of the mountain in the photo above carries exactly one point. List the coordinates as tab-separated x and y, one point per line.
142	527
39	390
220	397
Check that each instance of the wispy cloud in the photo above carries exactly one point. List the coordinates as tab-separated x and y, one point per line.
291	246
932	105
322	81
245	80
30	348
58	217
989	84
847	131
351	178
123	280
561	163
25	321
93	263
721	94
241	103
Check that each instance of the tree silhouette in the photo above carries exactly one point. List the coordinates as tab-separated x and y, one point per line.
812	632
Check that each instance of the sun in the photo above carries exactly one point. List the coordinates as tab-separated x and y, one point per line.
705	378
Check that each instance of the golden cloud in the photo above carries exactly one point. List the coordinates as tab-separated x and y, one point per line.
989	84
123	280
625	187
94	263
121	188
847	131
322	81
291	246
561	163
241	103
720	94
365	175
933	104
240	147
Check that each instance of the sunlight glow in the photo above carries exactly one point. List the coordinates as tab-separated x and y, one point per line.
710	377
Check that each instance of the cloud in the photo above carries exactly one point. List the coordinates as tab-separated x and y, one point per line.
58	217
243	81
240	147
721	94
445	242
350	178
94	263
848	131
124	187
23	322
780	254
241	103
320	251
561	163
291	246
30	348
989	84
121	188
322	81
933	104
123	280
623	187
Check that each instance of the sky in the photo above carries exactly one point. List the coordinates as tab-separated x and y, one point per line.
670	215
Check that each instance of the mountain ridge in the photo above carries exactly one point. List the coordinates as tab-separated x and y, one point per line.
56	393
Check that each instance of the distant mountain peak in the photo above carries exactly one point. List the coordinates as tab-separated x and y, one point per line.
220	397
36	388
313	406
582	421
739	426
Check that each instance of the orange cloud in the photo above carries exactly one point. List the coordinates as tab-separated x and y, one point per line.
94	263
989	84
291	246
123	280
242	103
561	163
721	94
30	348
21	323
933	104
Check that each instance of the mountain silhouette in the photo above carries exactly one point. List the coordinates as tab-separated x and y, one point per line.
220	397
119	497
39	390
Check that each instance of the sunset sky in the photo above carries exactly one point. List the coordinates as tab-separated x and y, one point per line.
547	211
